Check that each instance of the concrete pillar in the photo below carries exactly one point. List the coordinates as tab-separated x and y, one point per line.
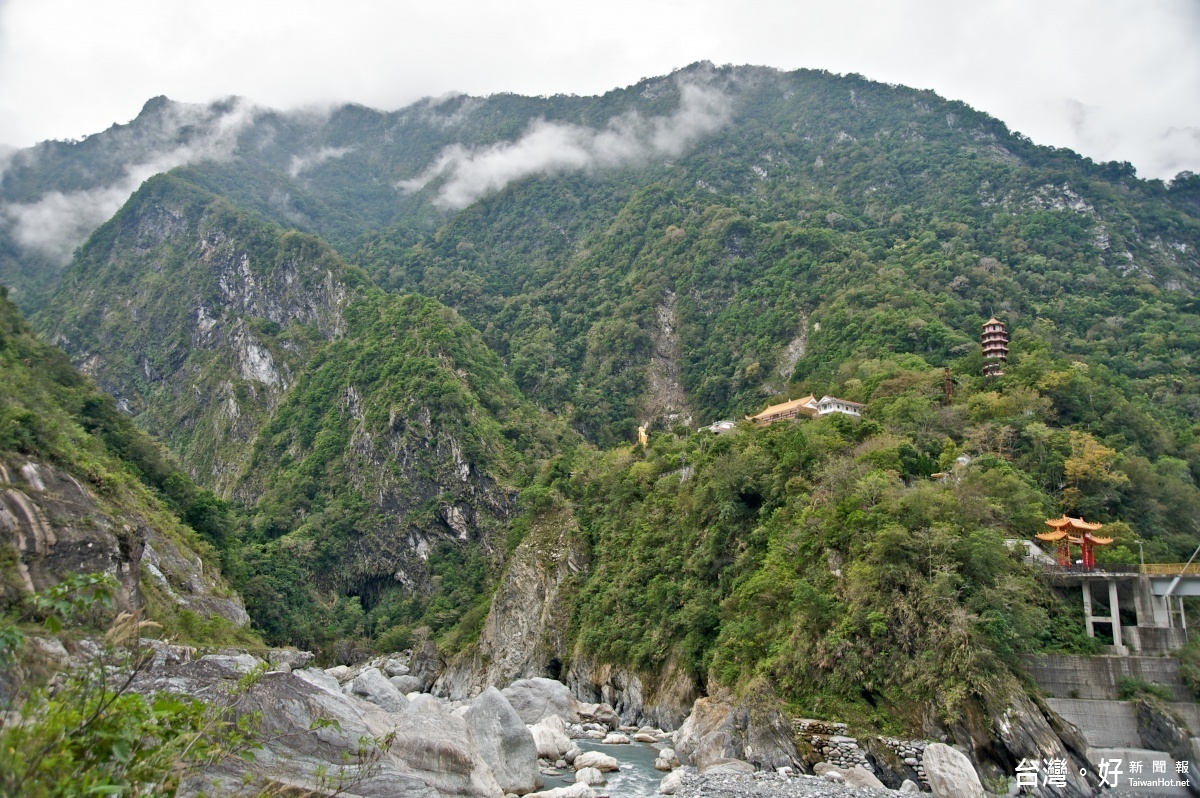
1087	608
1182	615
1114	613
1152	610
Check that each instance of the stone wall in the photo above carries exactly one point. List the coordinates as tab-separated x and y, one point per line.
1098	678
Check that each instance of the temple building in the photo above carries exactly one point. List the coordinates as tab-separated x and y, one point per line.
1065	532
808	406
995	347
831	404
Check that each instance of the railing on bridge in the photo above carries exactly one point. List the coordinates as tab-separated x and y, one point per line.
1103	569
1171	569
1100	569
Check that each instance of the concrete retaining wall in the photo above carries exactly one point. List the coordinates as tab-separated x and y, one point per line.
1098	678
1105	724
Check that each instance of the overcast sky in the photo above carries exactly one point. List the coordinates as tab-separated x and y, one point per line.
1113	79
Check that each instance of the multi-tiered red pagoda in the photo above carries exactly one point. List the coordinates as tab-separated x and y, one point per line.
1066	531
995	347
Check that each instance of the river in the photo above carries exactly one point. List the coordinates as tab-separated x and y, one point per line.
637	777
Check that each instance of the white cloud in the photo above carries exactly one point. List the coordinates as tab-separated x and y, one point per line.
58	222
69	68
302	163
553	147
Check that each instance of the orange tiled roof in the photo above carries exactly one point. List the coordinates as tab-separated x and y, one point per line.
800	405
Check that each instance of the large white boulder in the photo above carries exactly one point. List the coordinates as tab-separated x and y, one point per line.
504	742
859	776
671	782
950	773
550	738
538	698
595	759
666	760
590	776
574	791
373	686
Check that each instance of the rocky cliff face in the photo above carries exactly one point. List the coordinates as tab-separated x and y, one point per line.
525	632
1003	726
196	318
526	635
58	526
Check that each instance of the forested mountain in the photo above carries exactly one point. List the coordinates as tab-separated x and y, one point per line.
534	278
87	492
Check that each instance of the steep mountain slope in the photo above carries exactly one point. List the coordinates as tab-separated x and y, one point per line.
388	475
196	316
679	251
86	492
371	438
851	216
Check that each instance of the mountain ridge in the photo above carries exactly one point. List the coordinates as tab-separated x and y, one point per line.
476	401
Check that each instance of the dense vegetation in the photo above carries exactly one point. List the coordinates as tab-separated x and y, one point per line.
832	236
403	440
50	413
824	556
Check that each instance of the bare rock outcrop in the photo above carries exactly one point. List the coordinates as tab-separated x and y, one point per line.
59	526
306	724
751	730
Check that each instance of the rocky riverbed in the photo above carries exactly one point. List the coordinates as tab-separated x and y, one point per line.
770	785
378	727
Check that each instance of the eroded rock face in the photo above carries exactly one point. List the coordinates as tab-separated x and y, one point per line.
1160	730
59	527
663	700
719	729
524	635
434	753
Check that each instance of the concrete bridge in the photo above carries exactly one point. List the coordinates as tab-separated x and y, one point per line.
1155	592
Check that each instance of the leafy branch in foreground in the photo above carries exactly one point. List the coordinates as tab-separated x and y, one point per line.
86	731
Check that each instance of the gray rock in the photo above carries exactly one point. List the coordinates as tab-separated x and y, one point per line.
293	659
427	705
595	759
235	663
372	685
570	755
733	767
671	783
538	698
394	667
821	768
666	760
858	776
550	739
910	787
427	759
426	664
950	772
616	738
343	673
600	713
591	777
406	684
320	678
717	729
834	776
504	742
